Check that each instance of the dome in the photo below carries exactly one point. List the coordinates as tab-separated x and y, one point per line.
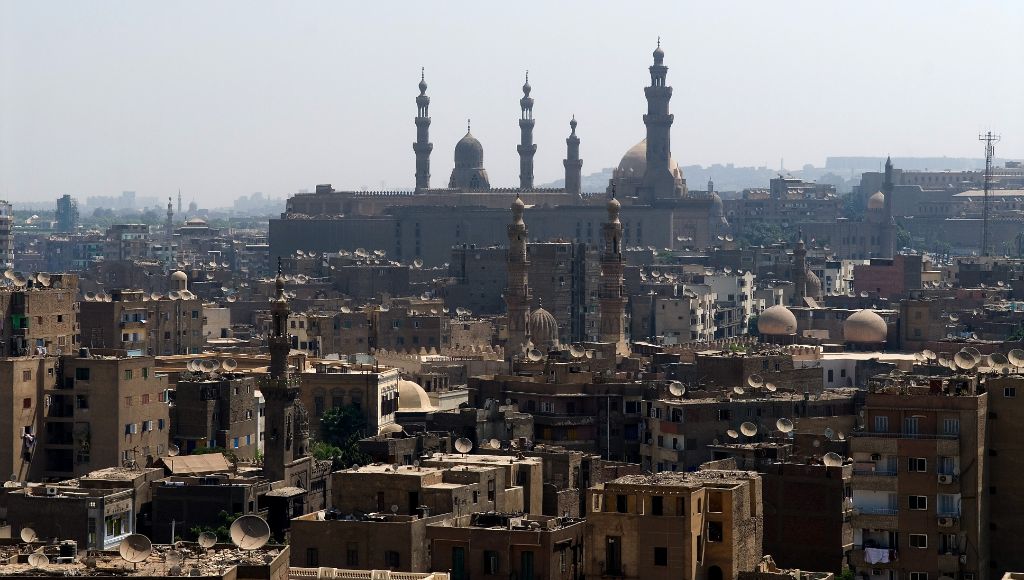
813	286
614	208
469	152
777	320
412	398
195	222
865	326
717	207
179	276
634	162
876	201
543	329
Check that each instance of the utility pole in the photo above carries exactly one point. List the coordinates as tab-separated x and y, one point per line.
990	151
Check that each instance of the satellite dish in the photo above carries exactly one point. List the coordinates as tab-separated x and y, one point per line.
738	390
232	298
38	560
997	360
755	380
174	295
770	387
90	296
972	351
28	535
749	429
250	532
135	548
43	279
954	317
495	444
173	450
229	364
841	436
534	355
832	459
463	445
207	539
417	263
346	310
864	294
784	425
394	508
676	389
210	365
964	360
733	434
577	351
155	296
1016	357
829	433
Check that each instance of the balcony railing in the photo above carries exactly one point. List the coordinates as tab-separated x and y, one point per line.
875	511
879	472
904	435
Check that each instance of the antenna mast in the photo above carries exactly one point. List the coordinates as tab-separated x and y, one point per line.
990	151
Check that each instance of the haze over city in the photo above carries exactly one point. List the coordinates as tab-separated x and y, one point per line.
222	99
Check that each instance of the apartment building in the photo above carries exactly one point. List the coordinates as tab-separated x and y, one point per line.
919	496
41	318
134	321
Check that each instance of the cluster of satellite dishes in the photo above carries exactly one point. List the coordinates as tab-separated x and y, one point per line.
754	383
19	280
210	365
969	358
102	296
247	533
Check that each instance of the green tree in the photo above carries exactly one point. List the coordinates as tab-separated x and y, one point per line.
760	234
221	528
341	428
903	239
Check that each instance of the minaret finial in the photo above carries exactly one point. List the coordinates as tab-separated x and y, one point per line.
659	41
423	73
467	125
280	268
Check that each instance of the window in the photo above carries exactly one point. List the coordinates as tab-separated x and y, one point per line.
660	556
951	426
145	372
127	401
620	504
830	379
82	401
715	531
1008	392
947	465
26	375
918	540
490	562
26	403
352	555
82	374
613	556
127	374
918	576
392	559
145	399
657	505
918	502
911	425
881	424
917	464
312	557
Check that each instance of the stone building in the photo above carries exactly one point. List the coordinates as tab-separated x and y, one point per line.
701	525
97	519
134	321
43	318
372	390
216	411
22	383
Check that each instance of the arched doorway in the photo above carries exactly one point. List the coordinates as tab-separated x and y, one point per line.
714	573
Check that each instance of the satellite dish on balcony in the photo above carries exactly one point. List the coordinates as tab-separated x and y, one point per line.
250	532
135	548
89	297
749	429
207	540
577	351
784	425
463	445
210	365
832	459
677	389
28	535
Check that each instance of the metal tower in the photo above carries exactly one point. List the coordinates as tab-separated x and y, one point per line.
990	151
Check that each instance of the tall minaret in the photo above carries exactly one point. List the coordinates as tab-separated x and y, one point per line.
286	425
422	146
573	163
517	293
799	273
889	224
659	182
526	146
612	295
169	233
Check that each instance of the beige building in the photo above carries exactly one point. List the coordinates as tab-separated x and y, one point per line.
373	390
133	321
40	319
22	382
704	525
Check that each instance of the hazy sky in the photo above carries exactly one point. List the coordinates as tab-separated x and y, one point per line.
224	98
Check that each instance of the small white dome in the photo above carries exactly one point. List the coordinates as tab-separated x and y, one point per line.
412	397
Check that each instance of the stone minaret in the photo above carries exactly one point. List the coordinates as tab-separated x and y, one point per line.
422	146
659	182
517	293
287	436
799	271
169	232
888	244
573	163
612	295
526	146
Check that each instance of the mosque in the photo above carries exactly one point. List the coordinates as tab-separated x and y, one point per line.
658	209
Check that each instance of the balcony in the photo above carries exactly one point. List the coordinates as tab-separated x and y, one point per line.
875	518
860	555
874	479
552	420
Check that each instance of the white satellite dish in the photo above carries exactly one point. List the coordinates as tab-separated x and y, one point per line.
229	364
90	297
210	365
534	355
841	436
755	380
733	434
997	360
417	263
784	425
135	548
207	540
28	535
964	360
1016	357
577	351
232	298
832	459
495	444
38	560
250	532
463	445
770	387
749	429
738	390
677	389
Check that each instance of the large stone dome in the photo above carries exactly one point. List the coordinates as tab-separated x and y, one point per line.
876	201
776	321
543	329
865	326
634	162
412	398
469	153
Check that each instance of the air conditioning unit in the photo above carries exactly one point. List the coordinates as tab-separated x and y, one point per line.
944	478
51	491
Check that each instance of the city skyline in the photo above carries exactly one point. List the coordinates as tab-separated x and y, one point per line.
222	103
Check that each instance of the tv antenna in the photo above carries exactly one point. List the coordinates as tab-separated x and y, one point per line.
990	151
